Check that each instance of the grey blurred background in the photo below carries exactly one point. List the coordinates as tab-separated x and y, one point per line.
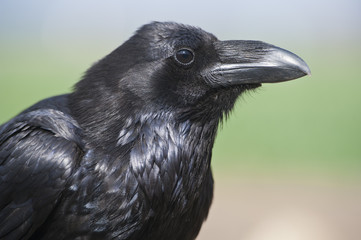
287	163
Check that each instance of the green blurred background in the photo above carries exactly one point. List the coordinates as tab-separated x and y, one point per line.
306	129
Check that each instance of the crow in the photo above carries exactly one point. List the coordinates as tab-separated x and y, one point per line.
127	154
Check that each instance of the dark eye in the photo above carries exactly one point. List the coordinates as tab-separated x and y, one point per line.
184	56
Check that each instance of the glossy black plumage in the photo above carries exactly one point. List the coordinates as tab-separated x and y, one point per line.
127	154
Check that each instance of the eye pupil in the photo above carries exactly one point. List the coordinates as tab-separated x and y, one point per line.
184	56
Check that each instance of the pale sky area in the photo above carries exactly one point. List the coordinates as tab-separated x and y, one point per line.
67	20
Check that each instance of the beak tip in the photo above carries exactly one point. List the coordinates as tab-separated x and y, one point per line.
290	60
302	65
306	70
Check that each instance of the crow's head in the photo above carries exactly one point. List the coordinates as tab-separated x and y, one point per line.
185	69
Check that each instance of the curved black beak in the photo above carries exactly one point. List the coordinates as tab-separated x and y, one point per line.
249	62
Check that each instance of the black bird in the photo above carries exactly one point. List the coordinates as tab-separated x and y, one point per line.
127	154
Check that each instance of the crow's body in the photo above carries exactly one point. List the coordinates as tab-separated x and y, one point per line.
127	155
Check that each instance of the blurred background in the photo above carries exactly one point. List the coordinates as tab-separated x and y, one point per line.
287	163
